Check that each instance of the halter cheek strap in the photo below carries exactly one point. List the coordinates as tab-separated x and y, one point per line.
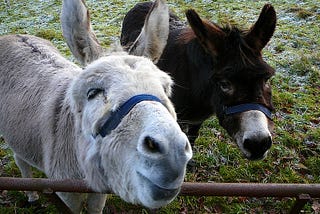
247	107
116	116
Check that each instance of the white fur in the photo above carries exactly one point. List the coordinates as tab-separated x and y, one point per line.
50	124
253	125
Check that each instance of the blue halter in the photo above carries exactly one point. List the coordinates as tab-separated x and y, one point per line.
247	107
116	116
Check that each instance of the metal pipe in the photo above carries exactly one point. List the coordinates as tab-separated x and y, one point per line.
250	189
187	189
44	185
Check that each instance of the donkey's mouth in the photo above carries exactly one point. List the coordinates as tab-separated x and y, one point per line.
159	193
253	155
257	156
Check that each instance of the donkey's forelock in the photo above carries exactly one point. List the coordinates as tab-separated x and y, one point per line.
236	58
249	58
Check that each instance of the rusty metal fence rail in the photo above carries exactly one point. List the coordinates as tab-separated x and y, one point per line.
302	192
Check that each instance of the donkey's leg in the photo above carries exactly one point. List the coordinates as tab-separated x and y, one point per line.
193	132
73	200
26	172
96	202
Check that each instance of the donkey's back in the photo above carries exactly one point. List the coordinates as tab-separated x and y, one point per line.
33	52
32	59
32	75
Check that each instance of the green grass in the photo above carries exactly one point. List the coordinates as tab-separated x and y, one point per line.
293	51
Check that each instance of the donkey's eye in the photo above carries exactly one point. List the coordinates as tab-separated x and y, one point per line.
226	86
92	92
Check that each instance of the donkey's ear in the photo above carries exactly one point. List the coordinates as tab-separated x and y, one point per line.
77	31
261	32
154	34
209	34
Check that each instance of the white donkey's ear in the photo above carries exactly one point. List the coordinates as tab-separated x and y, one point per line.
76	29
154	34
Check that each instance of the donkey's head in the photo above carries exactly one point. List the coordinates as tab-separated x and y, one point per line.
240	77
129	140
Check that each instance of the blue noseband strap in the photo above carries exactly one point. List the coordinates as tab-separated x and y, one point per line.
116	116
247	107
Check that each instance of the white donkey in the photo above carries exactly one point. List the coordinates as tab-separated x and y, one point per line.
82	41
111	124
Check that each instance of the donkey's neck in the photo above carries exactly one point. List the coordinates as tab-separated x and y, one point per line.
200	66
63	154
192	68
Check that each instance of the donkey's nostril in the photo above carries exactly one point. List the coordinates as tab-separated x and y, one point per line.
256	145
249	144
150	145
257	148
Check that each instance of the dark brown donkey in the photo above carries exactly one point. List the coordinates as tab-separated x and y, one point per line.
217	70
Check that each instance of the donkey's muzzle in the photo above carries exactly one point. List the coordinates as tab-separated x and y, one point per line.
257	148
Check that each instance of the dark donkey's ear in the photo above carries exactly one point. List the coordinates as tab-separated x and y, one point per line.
261	32
209	34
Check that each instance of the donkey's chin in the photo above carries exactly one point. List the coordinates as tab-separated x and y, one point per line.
154	196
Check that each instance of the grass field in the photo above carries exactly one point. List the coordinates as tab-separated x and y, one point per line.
294	52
